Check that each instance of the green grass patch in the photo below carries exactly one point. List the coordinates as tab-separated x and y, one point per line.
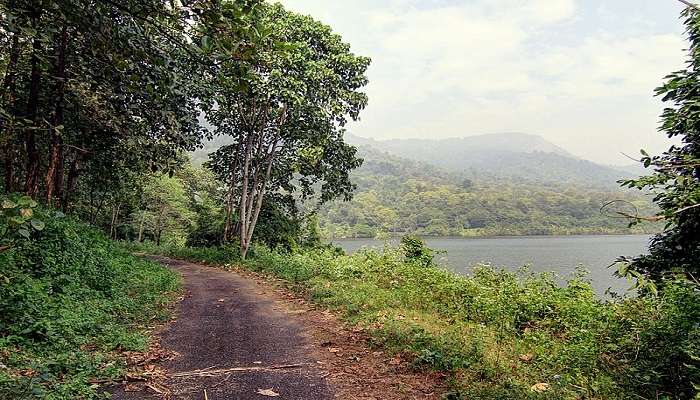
70	302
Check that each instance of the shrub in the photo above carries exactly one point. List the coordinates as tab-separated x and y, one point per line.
415	250
70	300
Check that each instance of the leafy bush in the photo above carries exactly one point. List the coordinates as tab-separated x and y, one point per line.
506	335
17	220
70	300
415	250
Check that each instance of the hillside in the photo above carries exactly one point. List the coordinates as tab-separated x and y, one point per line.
398	195
515	157
503	184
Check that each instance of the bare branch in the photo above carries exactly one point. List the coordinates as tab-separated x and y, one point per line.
689	4
627	215
687	208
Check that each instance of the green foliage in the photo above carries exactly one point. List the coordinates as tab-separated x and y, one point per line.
17	219
415	250
676	177
401	196
70	301
285	114
103	91
166	209
499	333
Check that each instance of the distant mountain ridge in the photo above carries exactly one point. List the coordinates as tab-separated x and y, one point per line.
511	156
504	142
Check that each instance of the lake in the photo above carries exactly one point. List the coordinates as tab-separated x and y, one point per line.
559	254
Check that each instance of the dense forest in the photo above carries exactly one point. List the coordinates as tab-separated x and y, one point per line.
101	105
397	196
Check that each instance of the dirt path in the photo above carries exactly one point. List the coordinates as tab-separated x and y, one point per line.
236	321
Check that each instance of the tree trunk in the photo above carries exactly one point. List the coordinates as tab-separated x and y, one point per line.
159	227
229	217
31	183
228	231
244	199
9	177
141	224
9	79
115	219
72	184
7	98
251	205
59	178
258	206
97	210
56	151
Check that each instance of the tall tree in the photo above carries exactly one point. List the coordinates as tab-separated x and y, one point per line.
676	177
285	108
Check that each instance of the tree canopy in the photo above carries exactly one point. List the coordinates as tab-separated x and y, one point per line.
284	109
676	177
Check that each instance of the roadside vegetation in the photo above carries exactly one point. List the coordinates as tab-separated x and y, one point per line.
71	302
500	335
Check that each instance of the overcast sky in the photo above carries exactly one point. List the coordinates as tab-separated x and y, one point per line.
580	73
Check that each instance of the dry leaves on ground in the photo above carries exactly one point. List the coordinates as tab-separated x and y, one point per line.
267	392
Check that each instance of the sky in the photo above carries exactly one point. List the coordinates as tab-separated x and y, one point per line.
580	73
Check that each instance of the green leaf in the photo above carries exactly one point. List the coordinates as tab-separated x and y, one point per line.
26	201
24	233
38	225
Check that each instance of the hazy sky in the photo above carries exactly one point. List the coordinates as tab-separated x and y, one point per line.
581	73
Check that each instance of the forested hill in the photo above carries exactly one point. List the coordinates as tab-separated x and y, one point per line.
397	195
505	156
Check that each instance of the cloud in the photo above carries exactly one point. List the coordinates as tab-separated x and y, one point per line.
551	67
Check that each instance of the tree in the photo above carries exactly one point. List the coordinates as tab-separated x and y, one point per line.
676	177
284	109
89	83
166	209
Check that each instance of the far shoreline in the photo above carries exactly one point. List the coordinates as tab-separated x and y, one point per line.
453	237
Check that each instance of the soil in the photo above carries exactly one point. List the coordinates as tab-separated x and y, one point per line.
239	335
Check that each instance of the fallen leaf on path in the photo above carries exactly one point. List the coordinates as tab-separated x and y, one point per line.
221	300
333	349
268	393
540	387
526	357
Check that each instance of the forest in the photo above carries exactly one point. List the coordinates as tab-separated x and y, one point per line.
102	104
398	196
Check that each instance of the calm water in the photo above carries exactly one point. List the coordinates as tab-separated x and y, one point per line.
559	254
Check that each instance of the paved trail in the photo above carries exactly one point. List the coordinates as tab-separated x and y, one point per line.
225	323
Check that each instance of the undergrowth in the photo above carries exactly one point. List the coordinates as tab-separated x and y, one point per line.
501	335
70	302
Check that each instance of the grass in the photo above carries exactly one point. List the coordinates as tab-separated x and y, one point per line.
501	335
71	302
